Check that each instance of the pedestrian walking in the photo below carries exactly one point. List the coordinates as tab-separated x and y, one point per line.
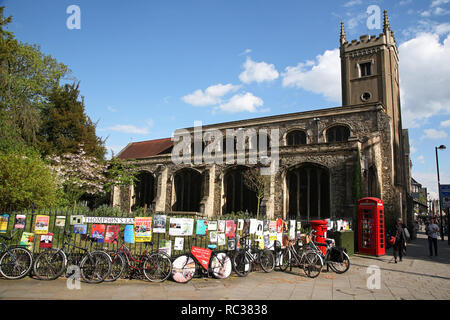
400	240
433	235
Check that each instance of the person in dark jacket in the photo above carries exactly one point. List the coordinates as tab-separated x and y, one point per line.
400	240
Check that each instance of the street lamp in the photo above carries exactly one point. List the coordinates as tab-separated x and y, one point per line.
441	147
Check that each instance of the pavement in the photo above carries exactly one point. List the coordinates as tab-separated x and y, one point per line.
417	277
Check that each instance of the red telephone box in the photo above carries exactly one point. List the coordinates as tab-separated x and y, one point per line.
371	226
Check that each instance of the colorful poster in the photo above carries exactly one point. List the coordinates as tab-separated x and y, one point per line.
4	223
179	243
112	233
41	226
292	230
212	225
46	240
260	240
240	225
285	227
221	226
259	227
279	225
159	224
60	221
266	225
253	226
27	240
273	230
143	229
76	220
98	232
129	233
202	227
213	236
165	246
266	237
299	226
181	226
202	255
231	244
246	228
80	229
20	221
230	229
221	240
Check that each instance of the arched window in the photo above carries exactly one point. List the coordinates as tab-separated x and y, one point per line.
296	138
338	134
144	189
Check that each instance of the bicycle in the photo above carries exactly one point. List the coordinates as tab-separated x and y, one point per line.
15	261
309	260
156	267
244	260
206	261
335	259
94	266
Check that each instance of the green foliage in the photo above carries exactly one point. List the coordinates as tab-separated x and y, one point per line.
119	173
26	180
65	125
256	182
108	211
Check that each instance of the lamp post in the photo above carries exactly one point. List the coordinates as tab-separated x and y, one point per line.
441	147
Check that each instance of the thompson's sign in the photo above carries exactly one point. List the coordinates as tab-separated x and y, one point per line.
108	220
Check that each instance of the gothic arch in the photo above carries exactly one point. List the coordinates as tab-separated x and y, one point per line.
345	126
144	189
237	196
188	187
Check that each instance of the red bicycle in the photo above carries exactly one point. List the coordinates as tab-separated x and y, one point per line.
156	266
206	261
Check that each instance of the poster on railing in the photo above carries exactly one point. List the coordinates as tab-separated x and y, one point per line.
273	230
253	226
129	233
202	227
292	230
260	240
112	233
240	225
46	240
179	244
41	226
98	232
20	221
159	223
212	225
4	223
165	246
143	229
221	239
231	244
76	220
230	229
221	226
279	225
27	240
181	226
213	236
266	225
80	228
60	221
267	241
259	228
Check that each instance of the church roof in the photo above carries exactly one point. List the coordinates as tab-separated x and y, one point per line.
145	149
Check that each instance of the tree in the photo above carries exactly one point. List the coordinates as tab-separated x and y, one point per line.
26	180
255	181
65	125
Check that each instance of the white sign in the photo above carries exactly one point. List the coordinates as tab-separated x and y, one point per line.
108	220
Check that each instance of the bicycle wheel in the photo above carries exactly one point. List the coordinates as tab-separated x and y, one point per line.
157	267
285	259
50	264
220	265
242	264
117	267
267	260
183	269
340	267
16	263
95	266
313	264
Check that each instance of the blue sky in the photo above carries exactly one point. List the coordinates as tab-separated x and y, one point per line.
149	67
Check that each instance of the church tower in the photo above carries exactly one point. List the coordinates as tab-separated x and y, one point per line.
370	75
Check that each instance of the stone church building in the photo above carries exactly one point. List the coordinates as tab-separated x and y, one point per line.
318	151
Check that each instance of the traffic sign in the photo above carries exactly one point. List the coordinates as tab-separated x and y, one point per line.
445	196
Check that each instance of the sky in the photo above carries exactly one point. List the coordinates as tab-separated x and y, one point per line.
148	67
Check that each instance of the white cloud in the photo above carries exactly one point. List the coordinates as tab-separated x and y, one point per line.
413	149
424	78
436	3
352	3
258	72
405	2
246	51
211	96
322	76
429	180
111	109
242	103
125	128
421	159
434	134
